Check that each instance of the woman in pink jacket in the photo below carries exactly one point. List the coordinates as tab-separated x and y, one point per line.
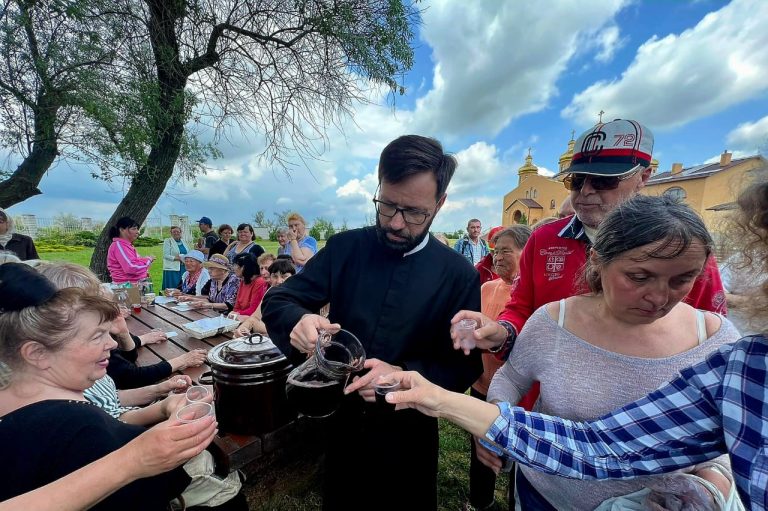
123	262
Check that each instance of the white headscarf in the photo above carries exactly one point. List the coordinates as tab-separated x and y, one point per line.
5	238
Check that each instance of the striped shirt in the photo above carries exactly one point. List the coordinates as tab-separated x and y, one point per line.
103	393
717	406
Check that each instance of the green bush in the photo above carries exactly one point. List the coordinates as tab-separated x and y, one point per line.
145	241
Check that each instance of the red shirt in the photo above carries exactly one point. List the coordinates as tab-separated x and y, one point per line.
485	269
249	296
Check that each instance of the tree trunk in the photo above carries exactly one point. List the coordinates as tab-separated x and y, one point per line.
23	182
149	183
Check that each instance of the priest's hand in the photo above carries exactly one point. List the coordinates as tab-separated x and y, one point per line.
365	384
489	334
304	334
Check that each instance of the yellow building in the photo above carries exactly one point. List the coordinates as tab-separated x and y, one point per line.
535	196
711	189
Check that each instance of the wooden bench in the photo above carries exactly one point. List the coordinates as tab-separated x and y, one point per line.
230	451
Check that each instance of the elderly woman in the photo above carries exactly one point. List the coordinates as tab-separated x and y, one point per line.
252	285
245	243
594	352
42	408
507	246
53	429
225	238
220	292
265	260
300	246
174	250
282	239
194	280
19	244
123	262
122	361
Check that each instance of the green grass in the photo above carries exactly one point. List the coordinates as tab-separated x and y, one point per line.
83	257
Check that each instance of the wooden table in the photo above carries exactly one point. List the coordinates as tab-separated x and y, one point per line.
230	451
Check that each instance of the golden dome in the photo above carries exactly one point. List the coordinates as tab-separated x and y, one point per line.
565	159
528	167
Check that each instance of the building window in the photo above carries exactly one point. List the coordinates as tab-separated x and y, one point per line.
552	204
535	193
676	192
527	194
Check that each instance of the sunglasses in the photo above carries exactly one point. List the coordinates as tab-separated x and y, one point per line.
575	182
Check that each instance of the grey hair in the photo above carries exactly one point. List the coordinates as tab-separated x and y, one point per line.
283	229
63	275
519	235
640	221
6	256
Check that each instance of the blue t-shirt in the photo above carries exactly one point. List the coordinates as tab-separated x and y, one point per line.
306	242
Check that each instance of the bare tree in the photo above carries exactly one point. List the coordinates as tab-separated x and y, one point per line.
54	56
281	70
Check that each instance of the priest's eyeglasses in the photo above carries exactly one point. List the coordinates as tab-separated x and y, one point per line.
411	216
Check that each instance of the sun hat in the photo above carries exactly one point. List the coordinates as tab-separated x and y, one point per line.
612	149
196	255
217	261
205	220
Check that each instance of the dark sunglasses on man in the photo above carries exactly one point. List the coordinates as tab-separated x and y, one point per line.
575	182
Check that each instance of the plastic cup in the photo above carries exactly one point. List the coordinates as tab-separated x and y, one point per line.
150	298
136	307
197	393
194	412
383	387
465	331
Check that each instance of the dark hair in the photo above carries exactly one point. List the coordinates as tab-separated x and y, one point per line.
247	261
242	227
124	223
3	216
409	155
282	266
640	221
518	233
284	256
471	221
224	227
752	225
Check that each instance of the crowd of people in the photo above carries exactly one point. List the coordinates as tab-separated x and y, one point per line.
618	301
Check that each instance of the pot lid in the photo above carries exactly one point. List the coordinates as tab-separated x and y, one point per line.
246	352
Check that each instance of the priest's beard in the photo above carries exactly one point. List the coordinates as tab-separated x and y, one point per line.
400	246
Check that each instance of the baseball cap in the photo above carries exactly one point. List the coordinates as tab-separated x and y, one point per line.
612	149
196	255
205	220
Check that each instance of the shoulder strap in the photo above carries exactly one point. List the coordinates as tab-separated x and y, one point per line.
701	326
561	314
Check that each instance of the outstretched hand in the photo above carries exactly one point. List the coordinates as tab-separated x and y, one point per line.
489	334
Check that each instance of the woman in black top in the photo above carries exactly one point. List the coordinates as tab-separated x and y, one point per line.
48	428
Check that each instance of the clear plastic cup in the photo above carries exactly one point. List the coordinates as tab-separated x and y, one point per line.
197	393
465	331
381	388
194	412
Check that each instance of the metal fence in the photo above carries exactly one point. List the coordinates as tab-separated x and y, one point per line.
37	227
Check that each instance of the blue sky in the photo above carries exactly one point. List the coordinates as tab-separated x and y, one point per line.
491	79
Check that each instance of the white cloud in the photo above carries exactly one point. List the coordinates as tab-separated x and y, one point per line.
478	164
543	171
609	41
750	135
720	62
734	155
495	61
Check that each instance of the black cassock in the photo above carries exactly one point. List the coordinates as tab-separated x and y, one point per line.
400	307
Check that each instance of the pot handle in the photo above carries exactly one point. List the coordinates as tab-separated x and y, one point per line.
206	378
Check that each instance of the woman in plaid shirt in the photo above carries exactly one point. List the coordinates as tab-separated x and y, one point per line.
717	406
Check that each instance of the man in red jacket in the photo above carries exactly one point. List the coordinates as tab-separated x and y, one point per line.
610	165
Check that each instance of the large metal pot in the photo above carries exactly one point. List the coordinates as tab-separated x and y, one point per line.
249	375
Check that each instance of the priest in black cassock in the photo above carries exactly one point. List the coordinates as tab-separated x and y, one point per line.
396	288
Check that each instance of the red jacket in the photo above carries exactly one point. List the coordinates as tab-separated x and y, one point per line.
485	269
551	265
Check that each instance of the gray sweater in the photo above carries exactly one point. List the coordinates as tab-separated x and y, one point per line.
580	381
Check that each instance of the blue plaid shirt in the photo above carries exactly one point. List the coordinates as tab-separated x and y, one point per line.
717	406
